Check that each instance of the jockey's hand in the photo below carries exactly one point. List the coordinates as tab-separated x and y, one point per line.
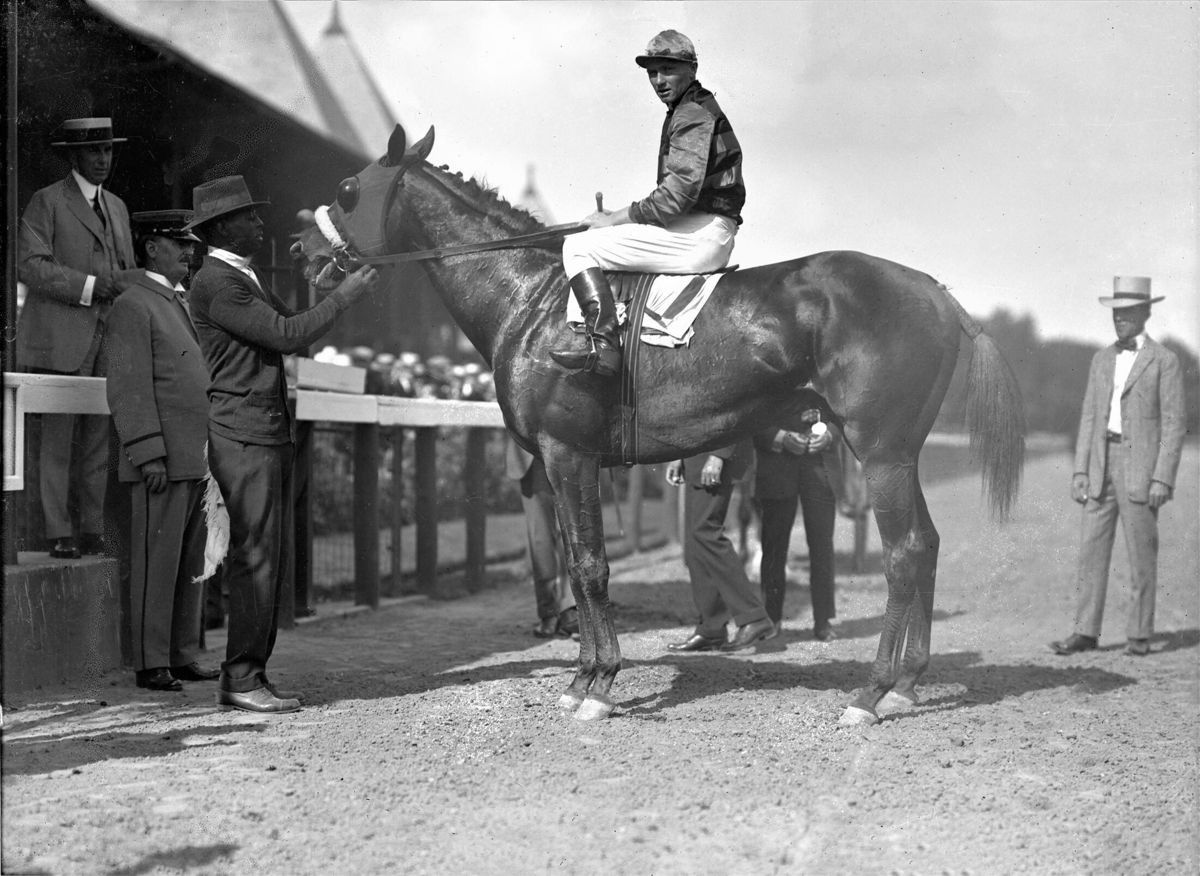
675	473
1079	488
154	473
1160	494
604	218
710	475
795	443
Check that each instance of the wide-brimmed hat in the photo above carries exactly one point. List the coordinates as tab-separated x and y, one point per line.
163	223
87	132
668	45
1130	292
220	197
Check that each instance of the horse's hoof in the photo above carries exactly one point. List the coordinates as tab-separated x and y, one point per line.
570	701
595	707
895	702
856	717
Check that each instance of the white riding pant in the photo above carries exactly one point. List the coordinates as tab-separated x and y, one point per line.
693	244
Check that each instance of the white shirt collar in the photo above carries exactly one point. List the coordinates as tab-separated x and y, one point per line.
154	275
89	189
242	263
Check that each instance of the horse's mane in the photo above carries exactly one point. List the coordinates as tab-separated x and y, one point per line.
483	199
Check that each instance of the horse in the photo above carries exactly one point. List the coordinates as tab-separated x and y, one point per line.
880	339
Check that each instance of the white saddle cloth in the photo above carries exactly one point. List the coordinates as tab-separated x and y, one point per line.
672	307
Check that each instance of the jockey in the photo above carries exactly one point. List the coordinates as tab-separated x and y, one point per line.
685	226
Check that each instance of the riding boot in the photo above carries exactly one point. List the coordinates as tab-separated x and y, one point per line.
595	298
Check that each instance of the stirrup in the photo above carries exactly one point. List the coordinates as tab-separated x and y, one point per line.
593	360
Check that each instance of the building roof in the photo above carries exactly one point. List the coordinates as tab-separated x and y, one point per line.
254	47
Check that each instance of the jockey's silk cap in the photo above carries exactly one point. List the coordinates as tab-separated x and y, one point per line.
1130	292
87	132
219	197
669	45
163	223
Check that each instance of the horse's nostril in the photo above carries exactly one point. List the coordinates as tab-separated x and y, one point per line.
347	194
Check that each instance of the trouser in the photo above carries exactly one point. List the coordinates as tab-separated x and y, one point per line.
167	555
820	515
82	441
256	483
547	564
693	244
720	588
1097	531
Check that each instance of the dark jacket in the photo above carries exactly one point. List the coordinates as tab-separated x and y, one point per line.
61	242
737	458
777	474
245	332
157	383
699	164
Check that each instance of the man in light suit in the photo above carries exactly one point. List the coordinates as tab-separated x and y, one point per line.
157	391
1131	434
557	615
720	588
75	257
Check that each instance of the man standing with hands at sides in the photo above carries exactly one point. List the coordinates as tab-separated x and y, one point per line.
720	588
157	391
1131	433
76	257
245	330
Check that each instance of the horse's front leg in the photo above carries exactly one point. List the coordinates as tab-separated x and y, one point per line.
575	478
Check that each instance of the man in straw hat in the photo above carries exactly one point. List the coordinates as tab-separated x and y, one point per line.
1130	437
75	256
157	391
245	331
686	225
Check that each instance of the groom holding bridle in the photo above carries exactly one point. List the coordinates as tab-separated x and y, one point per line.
686	225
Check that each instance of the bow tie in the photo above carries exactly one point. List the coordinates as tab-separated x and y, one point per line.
1130	345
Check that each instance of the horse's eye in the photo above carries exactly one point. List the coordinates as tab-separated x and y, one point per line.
347	194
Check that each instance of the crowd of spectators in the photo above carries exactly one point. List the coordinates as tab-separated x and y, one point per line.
408	375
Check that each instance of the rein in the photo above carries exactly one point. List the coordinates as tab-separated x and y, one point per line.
522	240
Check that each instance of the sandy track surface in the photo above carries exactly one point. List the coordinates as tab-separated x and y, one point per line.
431	744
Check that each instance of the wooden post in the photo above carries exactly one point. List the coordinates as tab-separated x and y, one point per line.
366	514
426	508
672	513
397	507
475	492
302	524
636	491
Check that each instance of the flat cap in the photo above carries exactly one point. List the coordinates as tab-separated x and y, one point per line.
163	223
668	45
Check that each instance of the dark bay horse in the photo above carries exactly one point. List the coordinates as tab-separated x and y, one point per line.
880	339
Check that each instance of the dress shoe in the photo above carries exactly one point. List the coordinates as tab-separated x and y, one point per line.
193	672
258	700
65	549
157	679
546	628
697	642
1137	647
283	694
749	634
1073	644
824	633
90	543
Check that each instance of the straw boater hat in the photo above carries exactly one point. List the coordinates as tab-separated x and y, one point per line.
219	197
87	132
1130	292
669	45
163	223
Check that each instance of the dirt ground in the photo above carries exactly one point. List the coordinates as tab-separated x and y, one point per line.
431	744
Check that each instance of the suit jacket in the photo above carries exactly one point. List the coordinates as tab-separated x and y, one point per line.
777	474
245	331
737	458
1152	420
157	383
61	242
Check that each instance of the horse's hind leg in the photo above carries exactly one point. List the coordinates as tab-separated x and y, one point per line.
910	548
576	482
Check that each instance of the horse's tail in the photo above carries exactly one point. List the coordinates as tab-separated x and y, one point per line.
995	416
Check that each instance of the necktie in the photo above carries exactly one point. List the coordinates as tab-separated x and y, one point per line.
1126	345
99	210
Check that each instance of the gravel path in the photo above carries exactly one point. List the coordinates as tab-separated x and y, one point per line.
431	744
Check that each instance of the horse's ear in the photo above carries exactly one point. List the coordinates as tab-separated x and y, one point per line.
397	144
421	149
